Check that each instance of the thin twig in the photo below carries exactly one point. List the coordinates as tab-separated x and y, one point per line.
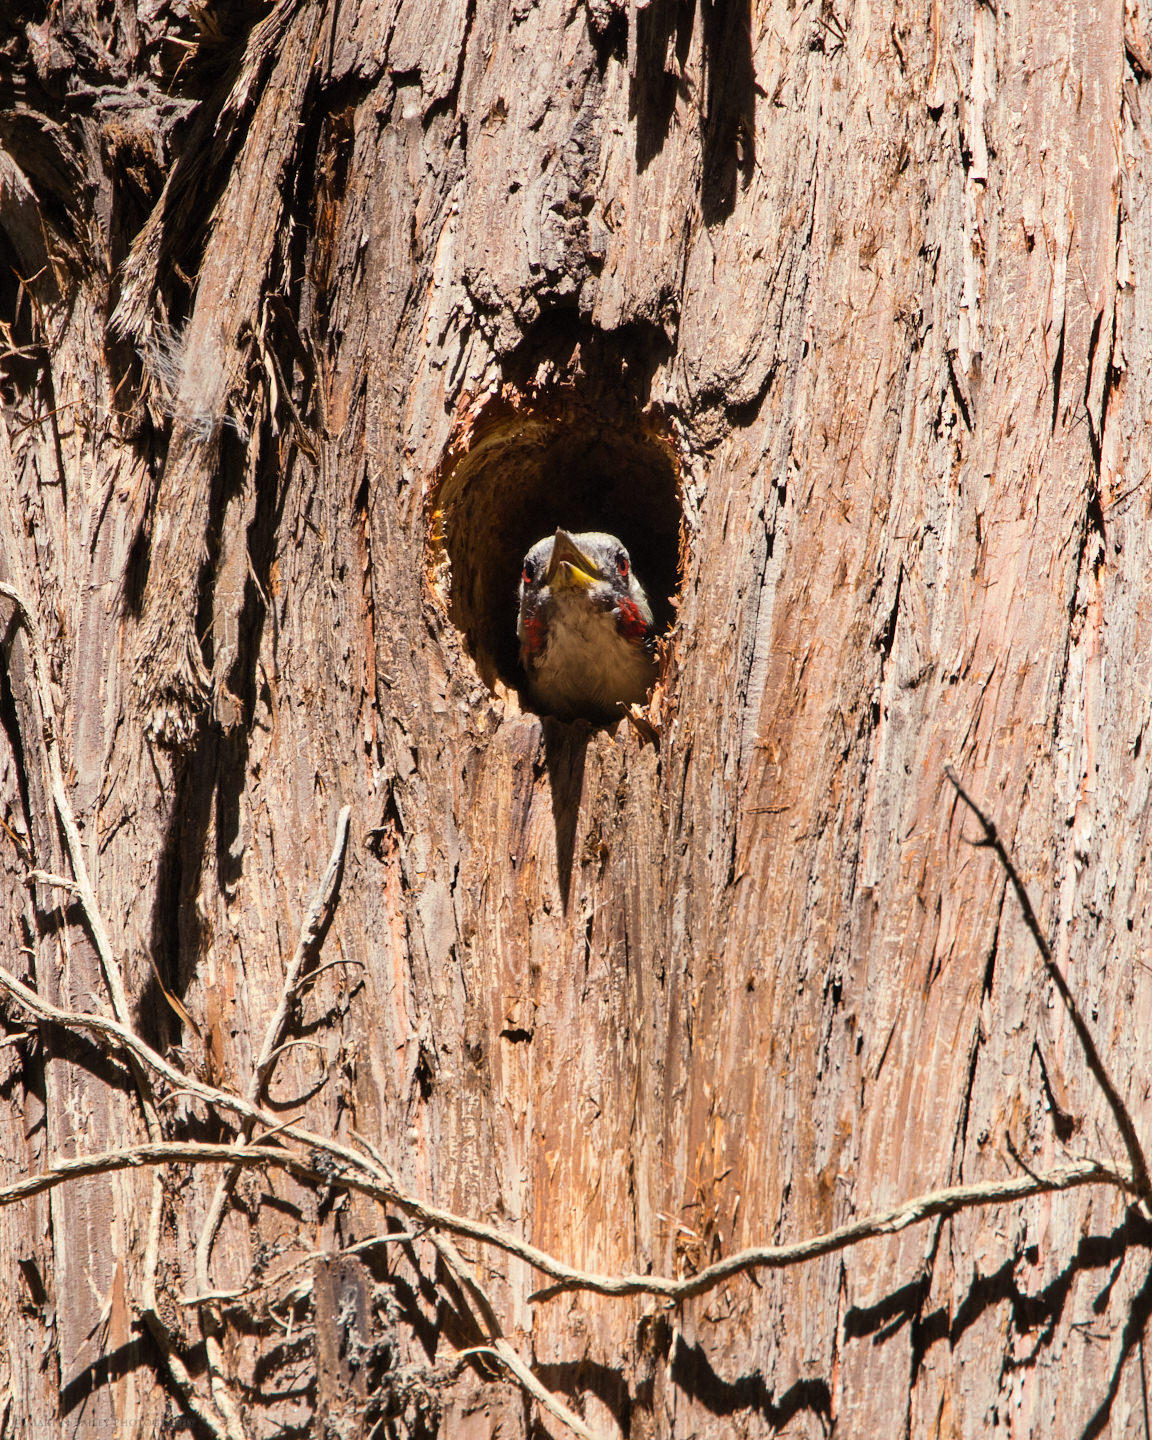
111	1032
886	1222
315	921
328	965
82	886
497	1345
314	1169
297	1044
1141	1182
46	877
51	746
164	1152
488	1322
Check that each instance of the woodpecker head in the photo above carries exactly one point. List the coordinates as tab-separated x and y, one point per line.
585	627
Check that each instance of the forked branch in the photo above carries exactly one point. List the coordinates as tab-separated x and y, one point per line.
315	923
321	1160
1141	1183
312	1169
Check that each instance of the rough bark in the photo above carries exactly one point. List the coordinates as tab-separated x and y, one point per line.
314	318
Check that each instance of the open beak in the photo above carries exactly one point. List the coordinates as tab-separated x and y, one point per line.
569	565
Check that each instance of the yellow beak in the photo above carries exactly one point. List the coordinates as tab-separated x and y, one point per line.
569	565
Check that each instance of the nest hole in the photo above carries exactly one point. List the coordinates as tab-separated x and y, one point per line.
516	469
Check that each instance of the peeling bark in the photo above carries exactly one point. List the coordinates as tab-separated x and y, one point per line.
313	319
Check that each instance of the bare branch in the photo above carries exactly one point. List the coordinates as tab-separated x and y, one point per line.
315	922
1141	1182
886	1222
772	1257
111	1032
46	877
498	1346
307	947
335	1164
165	1152
83	885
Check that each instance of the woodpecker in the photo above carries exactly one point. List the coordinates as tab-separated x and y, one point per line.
586	636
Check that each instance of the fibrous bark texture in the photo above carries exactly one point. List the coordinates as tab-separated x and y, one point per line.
314	318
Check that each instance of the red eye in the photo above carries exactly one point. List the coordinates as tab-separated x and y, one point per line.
622	563
528	574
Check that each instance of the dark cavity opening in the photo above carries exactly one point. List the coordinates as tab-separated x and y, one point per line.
517	468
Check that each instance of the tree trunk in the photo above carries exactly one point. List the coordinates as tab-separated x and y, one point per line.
315	320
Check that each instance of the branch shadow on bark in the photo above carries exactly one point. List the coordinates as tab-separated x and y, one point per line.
565	746
10	719
175	926
61	1045
661	31
419	1328
241	681
428	1306
730	108
692	1373
211	777
1037	1313
1140	1312
106	1369
577	1378
726	101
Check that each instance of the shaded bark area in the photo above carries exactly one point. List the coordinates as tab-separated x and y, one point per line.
311	315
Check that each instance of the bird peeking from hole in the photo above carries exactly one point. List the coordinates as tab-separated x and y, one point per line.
587	642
